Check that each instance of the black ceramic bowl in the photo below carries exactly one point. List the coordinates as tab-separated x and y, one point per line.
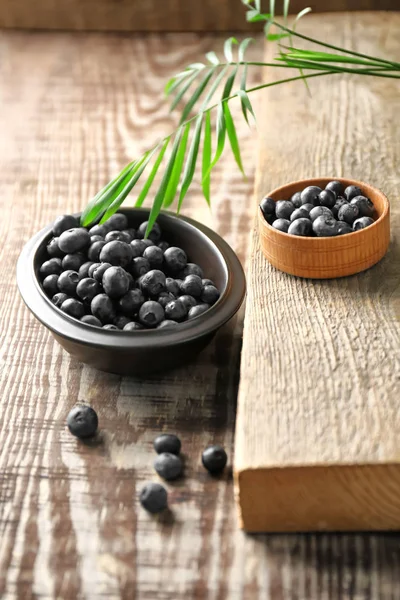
141	352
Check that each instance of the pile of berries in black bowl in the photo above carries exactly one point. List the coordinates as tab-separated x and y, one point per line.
111	277
315	212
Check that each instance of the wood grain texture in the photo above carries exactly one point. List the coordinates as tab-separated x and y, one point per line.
153	15
320	371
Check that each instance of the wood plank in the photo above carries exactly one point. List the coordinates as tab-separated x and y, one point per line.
318	426
170	15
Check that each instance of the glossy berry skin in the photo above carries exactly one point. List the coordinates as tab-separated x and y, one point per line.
301	227
50	285
151	313
188	301
351	192
74	240
91	320
167	442
116	253
325	226
163	245
96	238
53	266
207	282
348	213
172	286
192	285
133	326
84	269
140	266
299	213
53	249
98	271
154	498
117	221
130	303
132	233
73	308
165	298
176	311
73	261
92	269
364	205
68	281
167	324
336	187
122	236
267	206
338	205
102	308
153	283
155	256
154	235
308	207
59	298
281	225
175	259
296	199
327	198
284	209
344	228
209	295
192	269
362	222
110	326
63	223
148	243
198	310
319	211
121	321
214	459
115	282
82	421
98	230
95	249
168	466
310	195
87	289
138	247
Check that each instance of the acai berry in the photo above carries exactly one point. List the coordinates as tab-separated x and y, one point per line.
167	442
214	459
168	466
82	421
154	498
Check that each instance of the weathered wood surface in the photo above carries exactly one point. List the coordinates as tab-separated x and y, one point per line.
72	113
320	371
153	15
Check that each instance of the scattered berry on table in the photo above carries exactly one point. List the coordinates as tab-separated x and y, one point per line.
192	285
91	320
319	211
175	259
53	266
82	421
301	227
214	459
364	205
73	261
87	289
284	209
59	298
325	226
351	192
167	442
300	213
198	310
50	284
281	225
362	222
73	308
167	324
168	466
327	198
348	213
310	195
154	498
63	223
336	187
267	206
68	281
73	240
151	313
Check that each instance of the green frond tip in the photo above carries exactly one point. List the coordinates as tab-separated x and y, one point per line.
228	49
243	47
212	58
253	16
246	104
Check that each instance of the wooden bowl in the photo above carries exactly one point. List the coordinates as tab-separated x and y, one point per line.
326	258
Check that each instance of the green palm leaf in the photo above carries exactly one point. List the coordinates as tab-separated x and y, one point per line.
177	170
206	176
191	161
145	190
203	84
228	49
231	130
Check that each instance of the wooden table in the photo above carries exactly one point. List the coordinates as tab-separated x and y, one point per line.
74	108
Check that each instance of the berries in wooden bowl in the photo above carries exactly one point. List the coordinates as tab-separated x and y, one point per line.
324	228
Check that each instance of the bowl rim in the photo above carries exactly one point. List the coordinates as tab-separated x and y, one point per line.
71	329
329	239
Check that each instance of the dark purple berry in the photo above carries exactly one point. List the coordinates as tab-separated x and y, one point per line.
338	205
139	267
73	262
95	249
362	222
133	326
117	221
131	302
168	466
92	269
154	498
163	245
121	236
192	269
74	240
153	283
348	213
284	209
325	226
84	269
91	320
59	298
301	227
138	247
98	230
308	207
214	459
267	206
115	282
176	311
336	187
148	243
364	205
299	213
116	253
82	421
351	192
344	228
154	235
96	238
50	285
210	294
188	301
63	223
207	282
73	308
198	310
102	307
327	198
99	270
192	285
175	259
121	321
53	266
151	313
53	249
296	199
167	324
110	326
167	442
319	211
87	289
155	256
172	286
68	281
164	298
281	225
310	195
